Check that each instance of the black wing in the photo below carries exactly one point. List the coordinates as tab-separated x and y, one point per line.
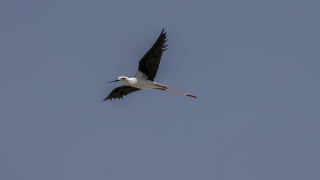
121	91
149	63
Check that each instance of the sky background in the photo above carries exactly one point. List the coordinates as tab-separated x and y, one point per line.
254	66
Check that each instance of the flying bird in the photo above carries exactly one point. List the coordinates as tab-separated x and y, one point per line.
148	67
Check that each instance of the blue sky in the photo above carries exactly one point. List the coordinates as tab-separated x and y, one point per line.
254	66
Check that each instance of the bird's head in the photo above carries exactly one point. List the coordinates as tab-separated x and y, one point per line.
121	79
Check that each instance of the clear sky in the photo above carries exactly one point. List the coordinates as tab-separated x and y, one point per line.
254	65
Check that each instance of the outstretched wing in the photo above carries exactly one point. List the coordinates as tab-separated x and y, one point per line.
149	63
121	91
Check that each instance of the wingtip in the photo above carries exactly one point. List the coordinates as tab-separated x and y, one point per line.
163	32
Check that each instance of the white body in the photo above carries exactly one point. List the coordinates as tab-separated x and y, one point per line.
141	83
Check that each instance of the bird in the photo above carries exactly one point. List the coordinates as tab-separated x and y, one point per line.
147	71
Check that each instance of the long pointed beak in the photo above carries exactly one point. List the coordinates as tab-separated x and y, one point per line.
113	81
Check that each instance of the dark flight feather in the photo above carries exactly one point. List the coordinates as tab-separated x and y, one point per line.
121	91
149	63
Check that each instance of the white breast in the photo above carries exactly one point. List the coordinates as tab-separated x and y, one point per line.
141	83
